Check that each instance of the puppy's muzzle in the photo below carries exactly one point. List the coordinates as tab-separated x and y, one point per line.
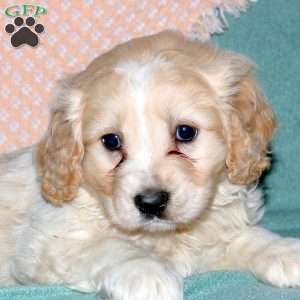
152	203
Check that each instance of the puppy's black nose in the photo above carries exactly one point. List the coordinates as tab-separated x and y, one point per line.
152	203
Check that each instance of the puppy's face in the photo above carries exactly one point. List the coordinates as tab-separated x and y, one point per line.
151	129
154	144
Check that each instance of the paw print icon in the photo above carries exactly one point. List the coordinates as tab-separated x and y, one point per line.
24	33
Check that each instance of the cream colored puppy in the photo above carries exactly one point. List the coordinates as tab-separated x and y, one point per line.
149	169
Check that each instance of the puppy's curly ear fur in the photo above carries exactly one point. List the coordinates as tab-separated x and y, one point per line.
60	153
248	119
251	126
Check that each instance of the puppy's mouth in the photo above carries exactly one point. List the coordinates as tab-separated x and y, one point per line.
158	224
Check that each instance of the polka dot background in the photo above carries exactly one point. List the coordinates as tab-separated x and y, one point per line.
74	33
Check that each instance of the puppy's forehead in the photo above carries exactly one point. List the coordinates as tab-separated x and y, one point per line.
164	82
140	72
126	87
153	88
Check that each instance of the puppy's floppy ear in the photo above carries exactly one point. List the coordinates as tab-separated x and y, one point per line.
248	120
251	124
60	152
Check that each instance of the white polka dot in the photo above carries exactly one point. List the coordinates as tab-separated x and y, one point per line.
3	138
88	2
5	92
14	126
97	12
3	115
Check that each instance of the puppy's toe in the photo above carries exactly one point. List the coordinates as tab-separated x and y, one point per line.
143	278
279	264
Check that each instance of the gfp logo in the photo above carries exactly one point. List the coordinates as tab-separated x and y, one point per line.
24	29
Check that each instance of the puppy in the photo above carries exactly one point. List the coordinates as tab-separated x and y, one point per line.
147	174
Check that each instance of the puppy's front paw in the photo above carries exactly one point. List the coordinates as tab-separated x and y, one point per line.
143	279
279	263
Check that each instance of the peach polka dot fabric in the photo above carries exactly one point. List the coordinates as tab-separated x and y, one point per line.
74	33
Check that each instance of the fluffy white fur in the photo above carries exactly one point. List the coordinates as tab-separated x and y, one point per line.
67	213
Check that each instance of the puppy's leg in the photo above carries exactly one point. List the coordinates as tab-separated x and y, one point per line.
124	272
270	257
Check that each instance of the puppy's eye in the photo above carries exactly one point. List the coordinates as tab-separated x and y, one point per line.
111	141
185	133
